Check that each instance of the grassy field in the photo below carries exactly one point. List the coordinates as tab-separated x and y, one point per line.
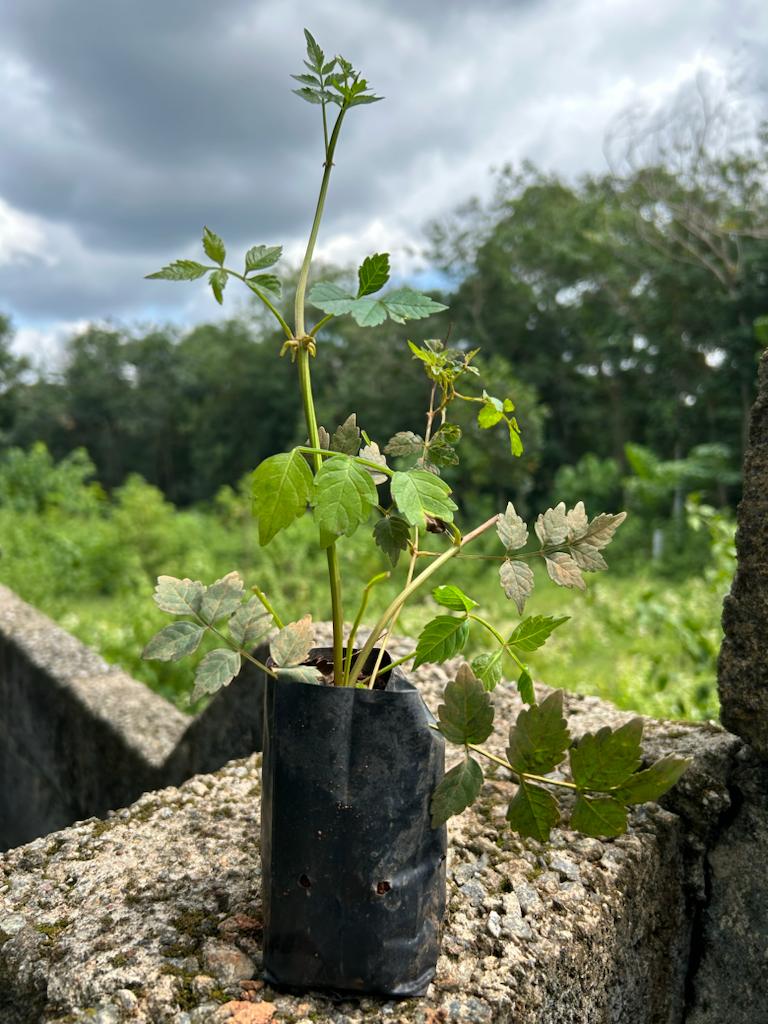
642	639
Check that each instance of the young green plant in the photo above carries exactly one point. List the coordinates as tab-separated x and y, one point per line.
344	479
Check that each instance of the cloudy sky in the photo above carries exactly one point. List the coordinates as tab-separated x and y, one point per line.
127	124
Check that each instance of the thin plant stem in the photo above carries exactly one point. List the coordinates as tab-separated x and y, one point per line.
518	776
268	605
359	618
393	623
258	292
411	588
497	636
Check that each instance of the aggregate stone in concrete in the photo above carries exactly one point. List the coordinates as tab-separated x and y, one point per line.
154	914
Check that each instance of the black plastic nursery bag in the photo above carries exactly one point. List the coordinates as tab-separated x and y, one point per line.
353	873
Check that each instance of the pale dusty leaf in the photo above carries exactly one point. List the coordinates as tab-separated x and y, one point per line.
179	597
174	642
588	558
564	571
293	643
512	531
217	669
517	582
577	521
602	528
222	597
346	438
552	527
372	454
250	623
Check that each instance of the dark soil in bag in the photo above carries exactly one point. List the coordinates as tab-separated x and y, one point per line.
353	873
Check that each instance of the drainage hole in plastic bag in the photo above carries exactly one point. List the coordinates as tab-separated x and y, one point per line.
382	888
304	882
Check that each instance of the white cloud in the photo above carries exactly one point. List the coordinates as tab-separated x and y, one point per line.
22	237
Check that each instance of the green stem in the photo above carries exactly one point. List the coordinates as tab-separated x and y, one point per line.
518	776
394	664
411	588
257	291
497	636
334	573
301	287
241	651
359	618
320	324
268	605
393	623
327	454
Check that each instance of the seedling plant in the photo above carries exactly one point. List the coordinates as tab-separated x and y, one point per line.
346	481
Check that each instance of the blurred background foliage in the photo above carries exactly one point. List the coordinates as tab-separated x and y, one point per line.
625	313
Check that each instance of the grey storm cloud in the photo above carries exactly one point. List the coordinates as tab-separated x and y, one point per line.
127	125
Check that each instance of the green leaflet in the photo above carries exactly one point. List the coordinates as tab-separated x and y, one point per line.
605	759
400	306
392	533
373	274
525	687
266	283
539	739
261	256
222	597
599	816
249	624
653	782
179	597
343	497
450	596
487	668
214	247
419	494
281	488
533	812
458	790
218	282
467	714
179	270
534	631
174	642
440	639
217	669
293	643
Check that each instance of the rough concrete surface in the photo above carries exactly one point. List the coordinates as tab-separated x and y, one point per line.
154	913
743	667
